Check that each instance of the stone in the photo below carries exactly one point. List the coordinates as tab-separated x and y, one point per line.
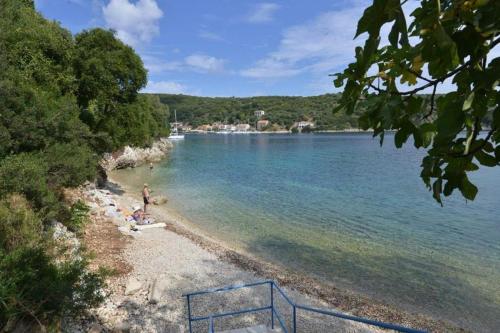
122	327
95	328
153	293
133	286
131	157
157	290
160	200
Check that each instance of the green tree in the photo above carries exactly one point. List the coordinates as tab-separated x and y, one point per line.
446	40
108	72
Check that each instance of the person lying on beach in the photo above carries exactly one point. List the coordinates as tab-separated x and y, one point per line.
138	215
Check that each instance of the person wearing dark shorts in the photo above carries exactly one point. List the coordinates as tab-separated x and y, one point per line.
145	196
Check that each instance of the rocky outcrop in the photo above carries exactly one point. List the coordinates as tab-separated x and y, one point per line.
131	157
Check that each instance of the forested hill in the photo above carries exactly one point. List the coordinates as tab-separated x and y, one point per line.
281	110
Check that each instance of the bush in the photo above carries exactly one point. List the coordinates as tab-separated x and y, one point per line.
34	285
69	165
27	174
78	216
19	224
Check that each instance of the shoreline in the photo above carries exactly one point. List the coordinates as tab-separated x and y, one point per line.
327	293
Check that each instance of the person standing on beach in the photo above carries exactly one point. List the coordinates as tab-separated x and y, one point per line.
151	166
145	196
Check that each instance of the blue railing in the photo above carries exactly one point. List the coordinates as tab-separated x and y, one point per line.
274	312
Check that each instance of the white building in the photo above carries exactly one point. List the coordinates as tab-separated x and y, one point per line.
242	127
259	113
301	124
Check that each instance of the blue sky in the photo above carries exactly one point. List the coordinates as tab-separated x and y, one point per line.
226	47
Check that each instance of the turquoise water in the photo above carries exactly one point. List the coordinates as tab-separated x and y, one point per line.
340	207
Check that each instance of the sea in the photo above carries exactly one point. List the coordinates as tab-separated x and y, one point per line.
342	208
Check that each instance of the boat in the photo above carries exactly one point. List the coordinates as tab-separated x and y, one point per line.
174	135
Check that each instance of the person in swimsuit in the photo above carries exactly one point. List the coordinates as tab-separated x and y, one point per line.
145	196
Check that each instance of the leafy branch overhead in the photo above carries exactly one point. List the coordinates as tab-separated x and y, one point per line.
446	41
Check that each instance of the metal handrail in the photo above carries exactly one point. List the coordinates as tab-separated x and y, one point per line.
275	313
211	327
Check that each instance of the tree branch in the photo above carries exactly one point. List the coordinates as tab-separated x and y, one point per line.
478	148
433	96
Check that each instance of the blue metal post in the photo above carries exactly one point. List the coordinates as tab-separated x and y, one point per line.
189	314
294	319
272	304
211	329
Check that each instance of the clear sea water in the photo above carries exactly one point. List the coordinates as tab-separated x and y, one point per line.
341	208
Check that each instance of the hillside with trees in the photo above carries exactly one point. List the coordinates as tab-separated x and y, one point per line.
65	100
280	110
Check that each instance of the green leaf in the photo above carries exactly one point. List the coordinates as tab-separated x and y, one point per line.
468	102
401	137
450	116
427	132
380	12
469	190
485	159
437	189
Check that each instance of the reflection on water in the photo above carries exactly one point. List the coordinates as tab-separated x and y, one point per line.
344	209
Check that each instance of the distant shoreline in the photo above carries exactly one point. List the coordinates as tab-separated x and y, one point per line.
348	130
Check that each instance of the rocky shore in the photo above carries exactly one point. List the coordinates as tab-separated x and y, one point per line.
131	157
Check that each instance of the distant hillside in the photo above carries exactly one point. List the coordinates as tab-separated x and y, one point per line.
281	110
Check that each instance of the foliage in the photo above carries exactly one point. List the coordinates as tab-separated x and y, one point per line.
33	285
137	123
78	216
38	51
49	85
27	174
280	110
446	40
20	225
69	165
108	71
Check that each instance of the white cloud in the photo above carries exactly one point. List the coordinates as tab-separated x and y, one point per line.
134	22
270	68
155	65
204	63
165	87
318	46
263	12
210	36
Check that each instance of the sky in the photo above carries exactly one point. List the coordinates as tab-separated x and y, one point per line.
226	47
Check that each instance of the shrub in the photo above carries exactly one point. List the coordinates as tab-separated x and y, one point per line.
34	285
78	216
27	174
69	165
19	224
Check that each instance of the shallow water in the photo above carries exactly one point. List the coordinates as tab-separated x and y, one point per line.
339	207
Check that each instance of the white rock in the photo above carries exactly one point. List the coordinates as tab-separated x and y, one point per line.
95	328
157	290
133	286
122	327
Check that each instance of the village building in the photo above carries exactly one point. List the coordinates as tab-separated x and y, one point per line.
301	124
262	124
242	127
259	113
204	128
